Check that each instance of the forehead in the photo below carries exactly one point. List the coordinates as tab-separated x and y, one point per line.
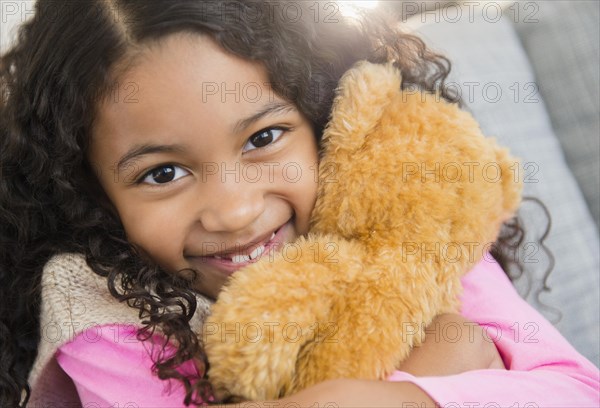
179	59
182	80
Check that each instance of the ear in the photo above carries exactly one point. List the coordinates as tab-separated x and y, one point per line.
363	93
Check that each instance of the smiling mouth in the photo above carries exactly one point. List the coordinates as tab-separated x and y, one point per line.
252	256
230	261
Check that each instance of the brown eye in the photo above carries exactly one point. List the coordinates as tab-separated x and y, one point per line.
164	174
263	138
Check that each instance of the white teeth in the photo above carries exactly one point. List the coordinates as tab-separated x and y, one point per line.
257	252
240	258
245	258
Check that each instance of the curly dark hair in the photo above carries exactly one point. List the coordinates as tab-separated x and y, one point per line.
65	61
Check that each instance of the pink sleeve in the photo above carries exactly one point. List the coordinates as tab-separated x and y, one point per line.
117	370
544	370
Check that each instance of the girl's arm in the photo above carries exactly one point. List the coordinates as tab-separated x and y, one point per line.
357	394
448	349
544	370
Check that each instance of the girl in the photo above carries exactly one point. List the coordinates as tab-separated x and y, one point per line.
127	128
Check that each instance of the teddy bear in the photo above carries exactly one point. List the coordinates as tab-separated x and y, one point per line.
411	195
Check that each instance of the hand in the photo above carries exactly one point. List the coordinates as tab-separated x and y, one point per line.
452	345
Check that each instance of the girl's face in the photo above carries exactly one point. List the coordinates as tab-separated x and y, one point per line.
206	167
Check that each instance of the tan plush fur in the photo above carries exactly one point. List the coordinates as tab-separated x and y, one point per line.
410	193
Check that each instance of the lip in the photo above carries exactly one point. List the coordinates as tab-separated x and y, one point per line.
227	267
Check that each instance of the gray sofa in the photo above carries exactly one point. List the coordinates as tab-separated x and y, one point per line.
529	74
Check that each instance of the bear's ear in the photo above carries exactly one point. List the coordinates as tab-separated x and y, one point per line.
362	95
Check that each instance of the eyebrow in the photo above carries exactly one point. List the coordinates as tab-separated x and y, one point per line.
144	149
272	108
269	109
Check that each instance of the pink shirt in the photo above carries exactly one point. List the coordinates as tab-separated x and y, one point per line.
111	368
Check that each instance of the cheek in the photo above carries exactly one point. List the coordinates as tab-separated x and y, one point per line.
307	196
155	233
304	190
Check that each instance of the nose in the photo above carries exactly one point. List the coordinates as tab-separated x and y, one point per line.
232	206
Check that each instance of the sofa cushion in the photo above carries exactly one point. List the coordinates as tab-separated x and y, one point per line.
563	47
497	83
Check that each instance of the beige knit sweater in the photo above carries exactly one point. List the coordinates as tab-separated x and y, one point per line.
74	299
